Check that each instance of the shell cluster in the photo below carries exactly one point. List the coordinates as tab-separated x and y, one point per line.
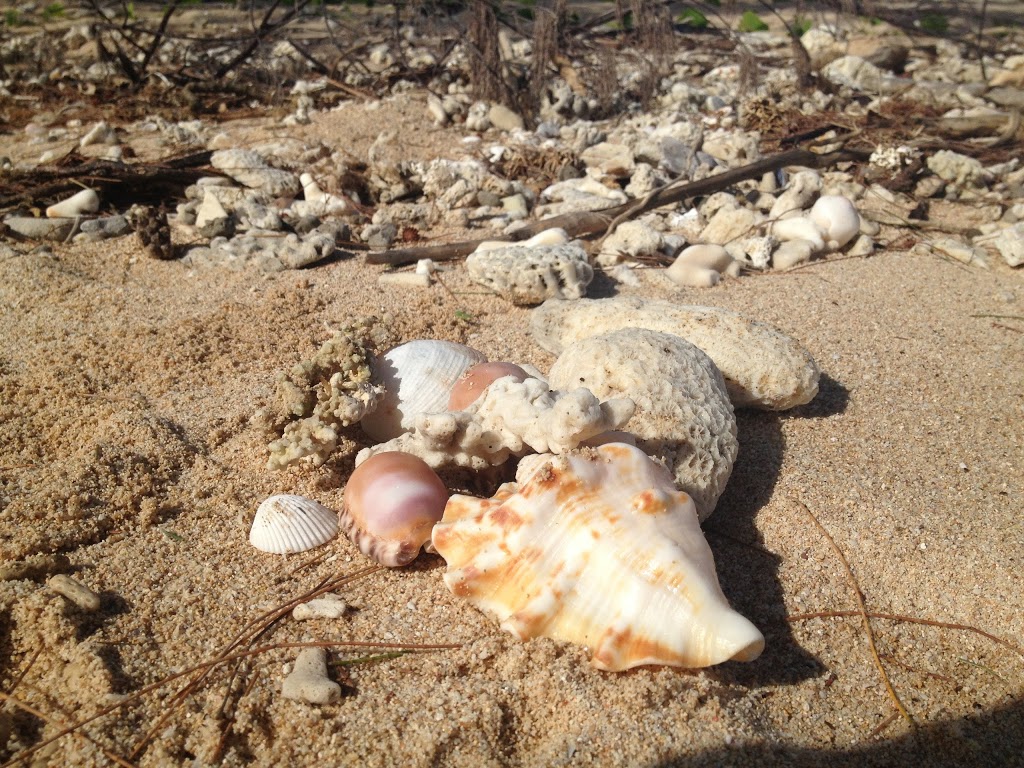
597	548
623	450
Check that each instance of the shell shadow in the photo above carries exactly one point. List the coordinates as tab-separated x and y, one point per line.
747	571
832	398
988	737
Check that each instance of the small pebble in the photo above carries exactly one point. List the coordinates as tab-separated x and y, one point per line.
76	592
326	607
308	680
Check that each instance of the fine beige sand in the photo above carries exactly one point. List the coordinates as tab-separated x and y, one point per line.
130	392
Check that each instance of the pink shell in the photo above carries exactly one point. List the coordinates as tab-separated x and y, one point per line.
392	502
472	383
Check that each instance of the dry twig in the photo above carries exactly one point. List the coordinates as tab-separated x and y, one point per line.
863	611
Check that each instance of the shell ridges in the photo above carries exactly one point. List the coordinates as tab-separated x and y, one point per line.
286	524
596	547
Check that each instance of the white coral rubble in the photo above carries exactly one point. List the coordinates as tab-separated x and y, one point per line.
510	418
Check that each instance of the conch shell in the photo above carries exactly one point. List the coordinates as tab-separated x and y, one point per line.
596	547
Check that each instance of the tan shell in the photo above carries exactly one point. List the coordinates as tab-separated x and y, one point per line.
596	547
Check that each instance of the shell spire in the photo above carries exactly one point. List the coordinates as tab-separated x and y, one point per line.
598	548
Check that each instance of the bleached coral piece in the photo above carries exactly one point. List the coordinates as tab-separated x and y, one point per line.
510	418
530	275
683	415
334	389
763	367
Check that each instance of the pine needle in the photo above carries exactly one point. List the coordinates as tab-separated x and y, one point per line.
863	611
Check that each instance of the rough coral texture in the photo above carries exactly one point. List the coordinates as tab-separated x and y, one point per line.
683	415
763	367
530	275
332	390
510	418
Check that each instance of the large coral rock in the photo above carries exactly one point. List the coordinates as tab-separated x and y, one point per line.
763	367
683	415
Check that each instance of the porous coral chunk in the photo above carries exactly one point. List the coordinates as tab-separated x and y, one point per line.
763	367
532	274
334	389
683	415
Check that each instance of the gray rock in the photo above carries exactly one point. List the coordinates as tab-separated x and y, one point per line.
504	119
613	159
251	170
856	73
959	170
727	225
40	229
1009	243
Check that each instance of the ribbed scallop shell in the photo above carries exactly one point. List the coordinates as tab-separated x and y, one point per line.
418	377
285	524
596	548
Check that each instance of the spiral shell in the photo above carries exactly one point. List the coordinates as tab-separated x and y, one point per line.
285	524
598	548
418	378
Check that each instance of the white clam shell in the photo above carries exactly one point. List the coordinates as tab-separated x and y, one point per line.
285	524
596	548
86	201
418	378
838	219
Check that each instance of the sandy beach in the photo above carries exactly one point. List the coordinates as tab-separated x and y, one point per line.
133	395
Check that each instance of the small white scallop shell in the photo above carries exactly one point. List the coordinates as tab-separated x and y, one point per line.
418	378
285	524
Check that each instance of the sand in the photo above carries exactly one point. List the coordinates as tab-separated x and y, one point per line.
133	444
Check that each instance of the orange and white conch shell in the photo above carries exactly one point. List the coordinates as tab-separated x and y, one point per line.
596	547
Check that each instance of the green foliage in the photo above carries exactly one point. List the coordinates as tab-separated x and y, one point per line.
12	18
936	23
800	25
525	10
691	17
53	11
751	22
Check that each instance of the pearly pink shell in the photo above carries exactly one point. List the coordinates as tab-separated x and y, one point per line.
392	501
472	383
599	548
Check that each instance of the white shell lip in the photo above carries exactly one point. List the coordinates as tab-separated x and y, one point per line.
287	524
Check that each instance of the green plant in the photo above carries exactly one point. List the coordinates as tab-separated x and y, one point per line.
751	22
53	11
934	22
800	25
12	18
691	17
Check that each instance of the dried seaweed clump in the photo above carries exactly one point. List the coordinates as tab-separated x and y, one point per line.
334	389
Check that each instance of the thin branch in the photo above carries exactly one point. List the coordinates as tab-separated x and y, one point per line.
863	613
910	620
